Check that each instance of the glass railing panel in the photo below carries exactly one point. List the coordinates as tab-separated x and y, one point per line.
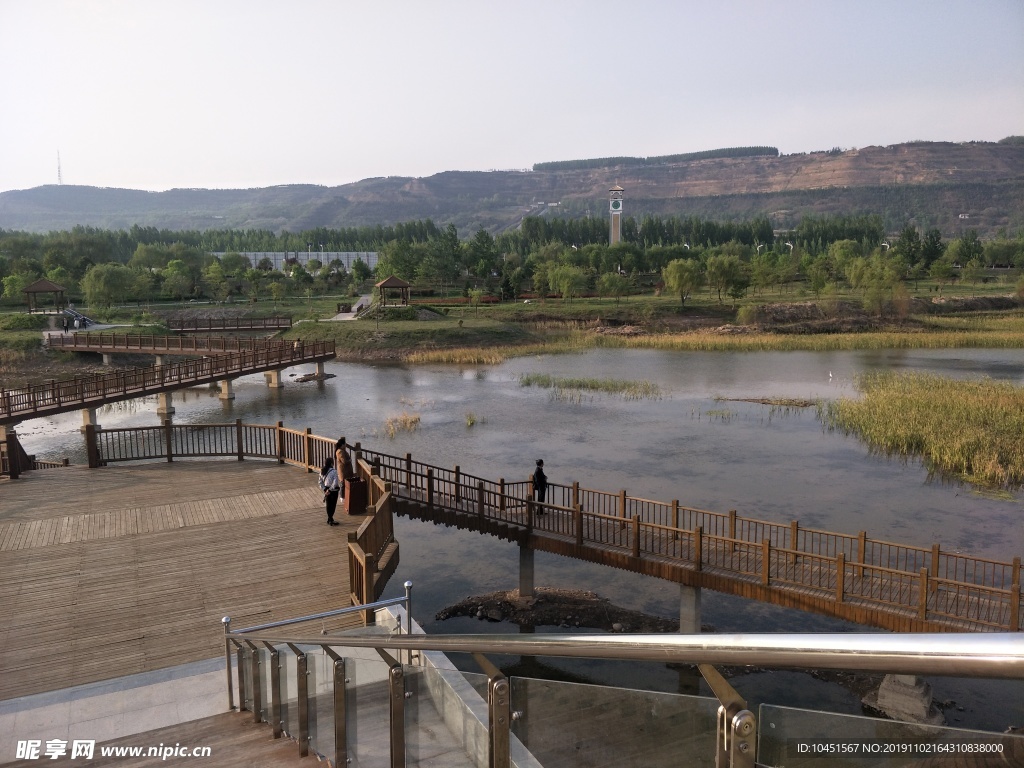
432	736
245	662
367	721
266	692
569	724
791	738
321	703
289	692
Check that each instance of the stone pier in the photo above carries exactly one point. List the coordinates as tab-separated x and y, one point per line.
689	610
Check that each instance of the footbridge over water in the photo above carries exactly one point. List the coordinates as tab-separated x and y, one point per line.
213	361
896	586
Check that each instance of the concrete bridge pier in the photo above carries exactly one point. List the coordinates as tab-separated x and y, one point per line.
525	572
689	610
159	361
319	369
273	379
107	358
164	406
226	392
88	419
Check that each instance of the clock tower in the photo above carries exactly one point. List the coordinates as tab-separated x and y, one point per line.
615	212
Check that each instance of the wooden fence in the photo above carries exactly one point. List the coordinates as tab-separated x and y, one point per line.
197	325
925	583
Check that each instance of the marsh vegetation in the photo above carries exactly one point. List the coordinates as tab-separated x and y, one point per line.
968	429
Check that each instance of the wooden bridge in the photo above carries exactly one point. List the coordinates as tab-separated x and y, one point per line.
901	587
148	344
90	392
205	325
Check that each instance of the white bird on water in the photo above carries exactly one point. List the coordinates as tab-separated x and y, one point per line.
830	375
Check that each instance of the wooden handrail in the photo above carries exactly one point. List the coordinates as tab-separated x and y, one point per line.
771	565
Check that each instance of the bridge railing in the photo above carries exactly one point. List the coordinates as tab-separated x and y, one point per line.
81	390
139	342
923	582
233	323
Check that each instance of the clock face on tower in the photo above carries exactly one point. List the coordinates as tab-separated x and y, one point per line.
616	205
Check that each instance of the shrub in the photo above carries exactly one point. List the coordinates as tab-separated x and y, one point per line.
20	322
749	314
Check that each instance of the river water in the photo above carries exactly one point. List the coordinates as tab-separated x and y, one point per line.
698	442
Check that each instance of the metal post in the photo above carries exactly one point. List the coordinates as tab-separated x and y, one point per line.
226	621
499	714
396	678
302	679
408	616
256	680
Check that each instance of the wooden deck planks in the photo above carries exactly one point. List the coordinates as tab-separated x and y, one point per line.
125	587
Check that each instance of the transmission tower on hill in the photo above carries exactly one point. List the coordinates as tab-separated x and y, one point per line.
60	179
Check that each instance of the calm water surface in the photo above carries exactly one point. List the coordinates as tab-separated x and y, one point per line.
698	443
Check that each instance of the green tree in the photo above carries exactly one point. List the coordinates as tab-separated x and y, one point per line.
360	270
972	271
932	247
682	276
15	284
107	284
942	272
568	280
476	295
613	284
722	271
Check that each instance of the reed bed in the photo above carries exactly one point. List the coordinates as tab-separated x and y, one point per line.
404	422
967	429
705	341
993	333
630	390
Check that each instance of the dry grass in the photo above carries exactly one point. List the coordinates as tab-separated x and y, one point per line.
404	422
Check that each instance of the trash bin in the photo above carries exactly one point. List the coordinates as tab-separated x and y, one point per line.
355	497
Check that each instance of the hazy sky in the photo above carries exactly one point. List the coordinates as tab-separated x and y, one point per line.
157	94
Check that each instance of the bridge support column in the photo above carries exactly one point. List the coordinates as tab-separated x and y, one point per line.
273	379
164	405
106	358
159	361
907	698
525	572
88	419
689	610
226	392
320	369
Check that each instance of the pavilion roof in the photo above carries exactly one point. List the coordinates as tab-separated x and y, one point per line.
43	285
392	282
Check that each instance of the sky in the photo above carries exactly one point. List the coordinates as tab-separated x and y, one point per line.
162	94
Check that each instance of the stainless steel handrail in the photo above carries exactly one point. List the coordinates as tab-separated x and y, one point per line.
953	654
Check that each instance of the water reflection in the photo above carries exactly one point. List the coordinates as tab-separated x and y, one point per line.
763	462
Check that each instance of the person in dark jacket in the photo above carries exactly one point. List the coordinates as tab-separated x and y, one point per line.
330	485
540	481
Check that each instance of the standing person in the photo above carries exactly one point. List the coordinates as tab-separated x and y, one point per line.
64	322
540	483
331	487
76	323
343	461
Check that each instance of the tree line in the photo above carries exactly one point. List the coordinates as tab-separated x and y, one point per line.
569	257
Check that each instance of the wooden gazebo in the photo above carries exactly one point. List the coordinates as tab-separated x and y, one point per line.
44	286
392	284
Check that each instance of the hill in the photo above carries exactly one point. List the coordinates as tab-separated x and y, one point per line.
931	184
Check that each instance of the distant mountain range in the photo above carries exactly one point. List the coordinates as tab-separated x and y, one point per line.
977	185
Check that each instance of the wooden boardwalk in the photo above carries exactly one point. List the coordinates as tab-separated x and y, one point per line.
17	405
113	571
